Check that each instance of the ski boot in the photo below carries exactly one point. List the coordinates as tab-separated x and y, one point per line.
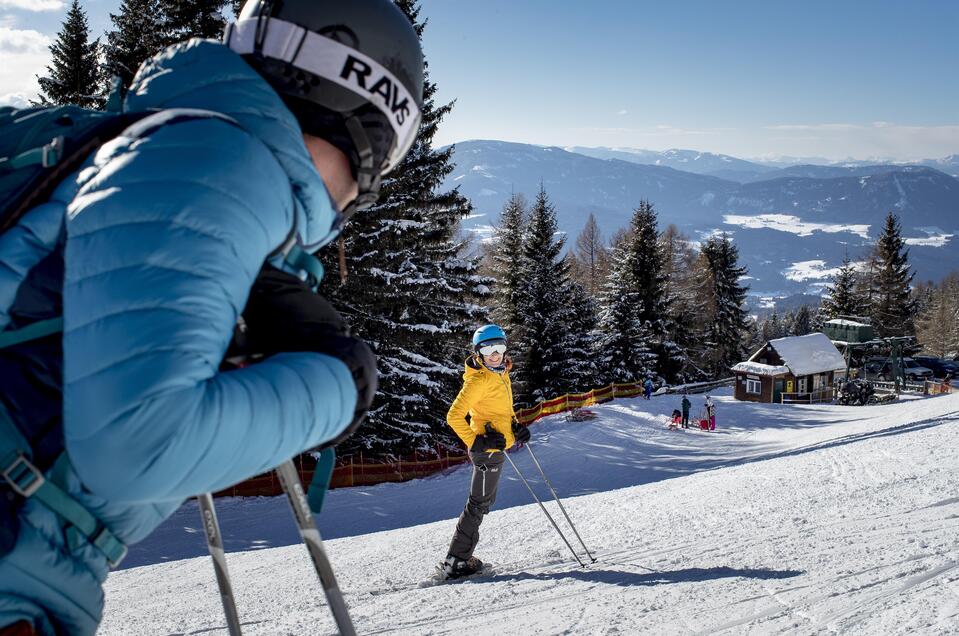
456	568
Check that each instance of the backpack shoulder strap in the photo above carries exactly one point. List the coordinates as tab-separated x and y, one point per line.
19	472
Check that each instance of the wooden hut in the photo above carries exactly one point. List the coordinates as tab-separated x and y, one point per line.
793	369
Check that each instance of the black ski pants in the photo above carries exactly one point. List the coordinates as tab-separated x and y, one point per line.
487	469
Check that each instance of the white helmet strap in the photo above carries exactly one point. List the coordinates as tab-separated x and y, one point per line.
335	62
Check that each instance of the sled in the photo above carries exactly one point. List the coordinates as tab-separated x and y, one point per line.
580	415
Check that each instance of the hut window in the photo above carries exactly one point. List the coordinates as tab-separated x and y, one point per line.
753	386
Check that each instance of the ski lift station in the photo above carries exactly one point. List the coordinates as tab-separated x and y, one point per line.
793	369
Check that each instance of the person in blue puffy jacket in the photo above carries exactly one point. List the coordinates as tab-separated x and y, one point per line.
260	148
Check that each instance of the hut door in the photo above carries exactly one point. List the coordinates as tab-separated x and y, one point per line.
777	391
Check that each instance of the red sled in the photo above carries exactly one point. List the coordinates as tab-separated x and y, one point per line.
704	425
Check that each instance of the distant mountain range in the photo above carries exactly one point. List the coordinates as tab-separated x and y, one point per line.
792	224
742	170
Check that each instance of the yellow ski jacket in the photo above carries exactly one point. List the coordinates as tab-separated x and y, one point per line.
487	397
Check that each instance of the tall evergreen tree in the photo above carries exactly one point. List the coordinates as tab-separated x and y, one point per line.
893	310
73	76
505	255
541	355
840	298
727	326
138	34
651	277
411	293
625	356
185	19
582	372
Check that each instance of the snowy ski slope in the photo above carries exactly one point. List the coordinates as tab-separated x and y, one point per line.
798	520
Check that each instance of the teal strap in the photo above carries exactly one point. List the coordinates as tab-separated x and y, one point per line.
28	481
300	259
47	155
320	483
34	331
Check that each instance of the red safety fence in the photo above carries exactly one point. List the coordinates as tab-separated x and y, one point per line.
351	470
355	470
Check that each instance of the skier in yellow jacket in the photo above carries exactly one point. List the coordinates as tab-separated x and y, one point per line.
482	416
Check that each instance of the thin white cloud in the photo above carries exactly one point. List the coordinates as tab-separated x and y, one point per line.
17	100
32	5
623	112
23	41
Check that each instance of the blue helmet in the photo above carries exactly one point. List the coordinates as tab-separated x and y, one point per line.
487	333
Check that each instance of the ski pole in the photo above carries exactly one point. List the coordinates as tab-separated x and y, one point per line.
314	545
214	542
561	506
545	511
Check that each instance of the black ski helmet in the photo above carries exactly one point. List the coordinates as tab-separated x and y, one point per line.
350	71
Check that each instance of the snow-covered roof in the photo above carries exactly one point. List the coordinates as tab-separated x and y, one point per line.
846	323
805	355
757	368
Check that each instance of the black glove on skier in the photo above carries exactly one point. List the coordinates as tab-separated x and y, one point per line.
284	314
521	433
491	440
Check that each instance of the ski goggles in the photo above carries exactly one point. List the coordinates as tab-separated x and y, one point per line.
488	350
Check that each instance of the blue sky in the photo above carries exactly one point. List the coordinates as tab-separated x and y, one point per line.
752	79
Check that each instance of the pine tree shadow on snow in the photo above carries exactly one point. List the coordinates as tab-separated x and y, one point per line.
633	579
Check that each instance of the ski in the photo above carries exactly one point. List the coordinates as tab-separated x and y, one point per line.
290	481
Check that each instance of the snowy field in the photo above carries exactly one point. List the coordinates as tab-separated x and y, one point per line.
798	520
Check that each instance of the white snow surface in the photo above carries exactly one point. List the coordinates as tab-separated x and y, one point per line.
795	519
810	270
793	224
804	355
759	368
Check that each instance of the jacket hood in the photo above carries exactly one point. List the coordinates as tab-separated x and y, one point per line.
207	75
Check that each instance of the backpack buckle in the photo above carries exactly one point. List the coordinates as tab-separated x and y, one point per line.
52	152
23	476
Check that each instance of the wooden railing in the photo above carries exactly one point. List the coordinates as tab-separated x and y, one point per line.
811	397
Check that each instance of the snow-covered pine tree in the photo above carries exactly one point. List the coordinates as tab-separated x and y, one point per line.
651	277
624	356
73	76
590	263
137	35
504	256
540	341
185	19
411	293
727	326
893	310
582	372
840	297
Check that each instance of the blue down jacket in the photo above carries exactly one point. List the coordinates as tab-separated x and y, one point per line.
166	230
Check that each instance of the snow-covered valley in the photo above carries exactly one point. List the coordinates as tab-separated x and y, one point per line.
788	519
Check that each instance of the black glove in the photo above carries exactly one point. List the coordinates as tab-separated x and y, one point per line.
361	361
284	314
521	433
491	440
